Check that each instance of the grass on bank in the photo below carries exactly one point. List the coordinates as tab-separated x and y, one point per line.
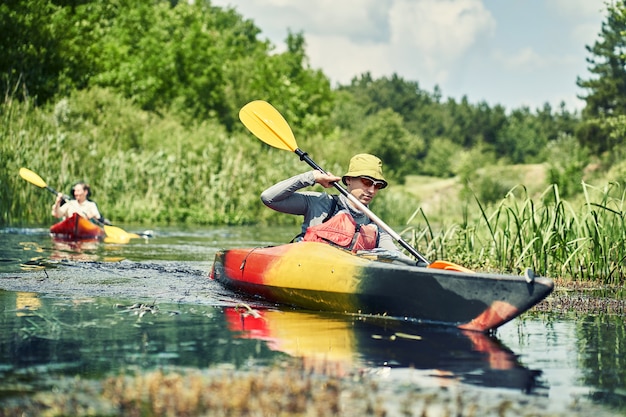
581	239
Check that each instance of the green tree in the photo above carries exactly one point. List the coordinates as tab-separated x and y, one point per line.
304	95
399	149
190	58
470	125
439	162
163	56
606	89
522	139
30	48
557	123
403	97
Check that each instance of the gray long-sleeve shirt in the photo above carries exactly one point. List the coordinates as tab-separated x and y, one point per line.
314	206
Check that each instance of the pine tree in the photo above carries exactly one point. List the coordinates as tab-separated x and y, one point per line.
607	88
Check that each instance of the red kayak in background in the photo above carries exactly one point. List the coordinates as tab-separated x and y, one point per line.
76	228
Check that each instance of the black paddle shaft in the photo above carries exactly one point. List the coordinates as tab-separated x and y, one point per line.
65	198
305	157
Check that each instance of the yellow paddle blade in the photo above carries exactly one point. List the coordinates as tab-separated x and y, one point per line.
33	178
116	240
118	235
267	124
449	266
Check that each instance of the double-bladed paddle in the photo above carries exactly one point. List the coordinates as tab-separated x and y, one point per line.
267	124
113	234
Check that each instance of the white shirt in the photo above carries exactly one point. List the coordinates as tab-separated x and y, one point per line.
87	209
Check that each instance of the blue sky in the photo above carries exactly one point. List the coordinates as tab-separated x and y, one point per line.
509	52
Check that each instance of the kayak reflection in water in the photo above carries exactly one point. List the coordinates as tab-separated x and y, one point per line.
338	345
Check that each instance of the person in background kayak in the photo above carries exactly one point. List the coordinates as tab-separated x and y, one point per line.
81	205
332	218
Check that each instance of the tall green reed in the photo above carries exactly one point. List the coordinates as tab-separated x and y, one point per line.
551	235
604	225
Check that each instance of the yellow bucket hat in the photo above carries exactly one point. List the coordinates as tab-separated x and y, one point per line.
365	165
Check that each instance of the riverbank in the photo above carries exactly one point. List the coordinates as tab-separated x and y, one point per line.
584	298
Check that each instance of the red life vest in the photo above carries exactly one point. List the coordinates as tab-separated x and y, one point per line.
341	230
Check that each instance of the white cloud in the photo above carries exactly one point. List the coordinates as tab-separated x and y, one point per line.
343	59
514	51
439	27
426	37
577	8
586	17
359	20
429	36
526	59
586	33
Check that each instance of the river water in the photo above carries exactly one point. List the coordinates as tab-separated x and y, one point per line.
96	309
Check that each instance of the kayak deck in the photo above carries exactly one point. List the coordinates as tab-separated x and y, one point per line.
76	227
317	276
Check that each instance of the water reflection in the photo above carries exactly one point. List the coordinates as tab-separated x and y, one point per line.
91	250
31	249
41	337
83	250
91	337
338	344
602	343
44	252
26	303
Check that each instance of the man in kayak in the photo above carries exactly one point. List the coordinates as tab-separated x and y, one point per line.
332	218
81	205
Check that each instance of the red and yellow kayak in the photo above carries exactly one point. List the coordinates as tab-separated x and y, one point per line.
317	276
76	228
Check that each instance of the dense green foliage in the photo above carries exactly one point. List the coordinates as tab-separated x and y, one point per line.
551	235
197	60
605	90
141	98
607	64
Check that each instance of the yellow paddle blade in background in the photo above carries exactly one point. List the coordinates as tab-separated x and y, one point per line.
33	178
267	124
118	235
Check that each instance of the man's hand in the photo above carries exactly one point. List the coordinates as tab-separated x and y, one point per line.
325	180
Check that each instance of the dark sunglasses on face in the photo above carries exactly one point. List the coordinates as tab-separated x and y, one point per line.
368	182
